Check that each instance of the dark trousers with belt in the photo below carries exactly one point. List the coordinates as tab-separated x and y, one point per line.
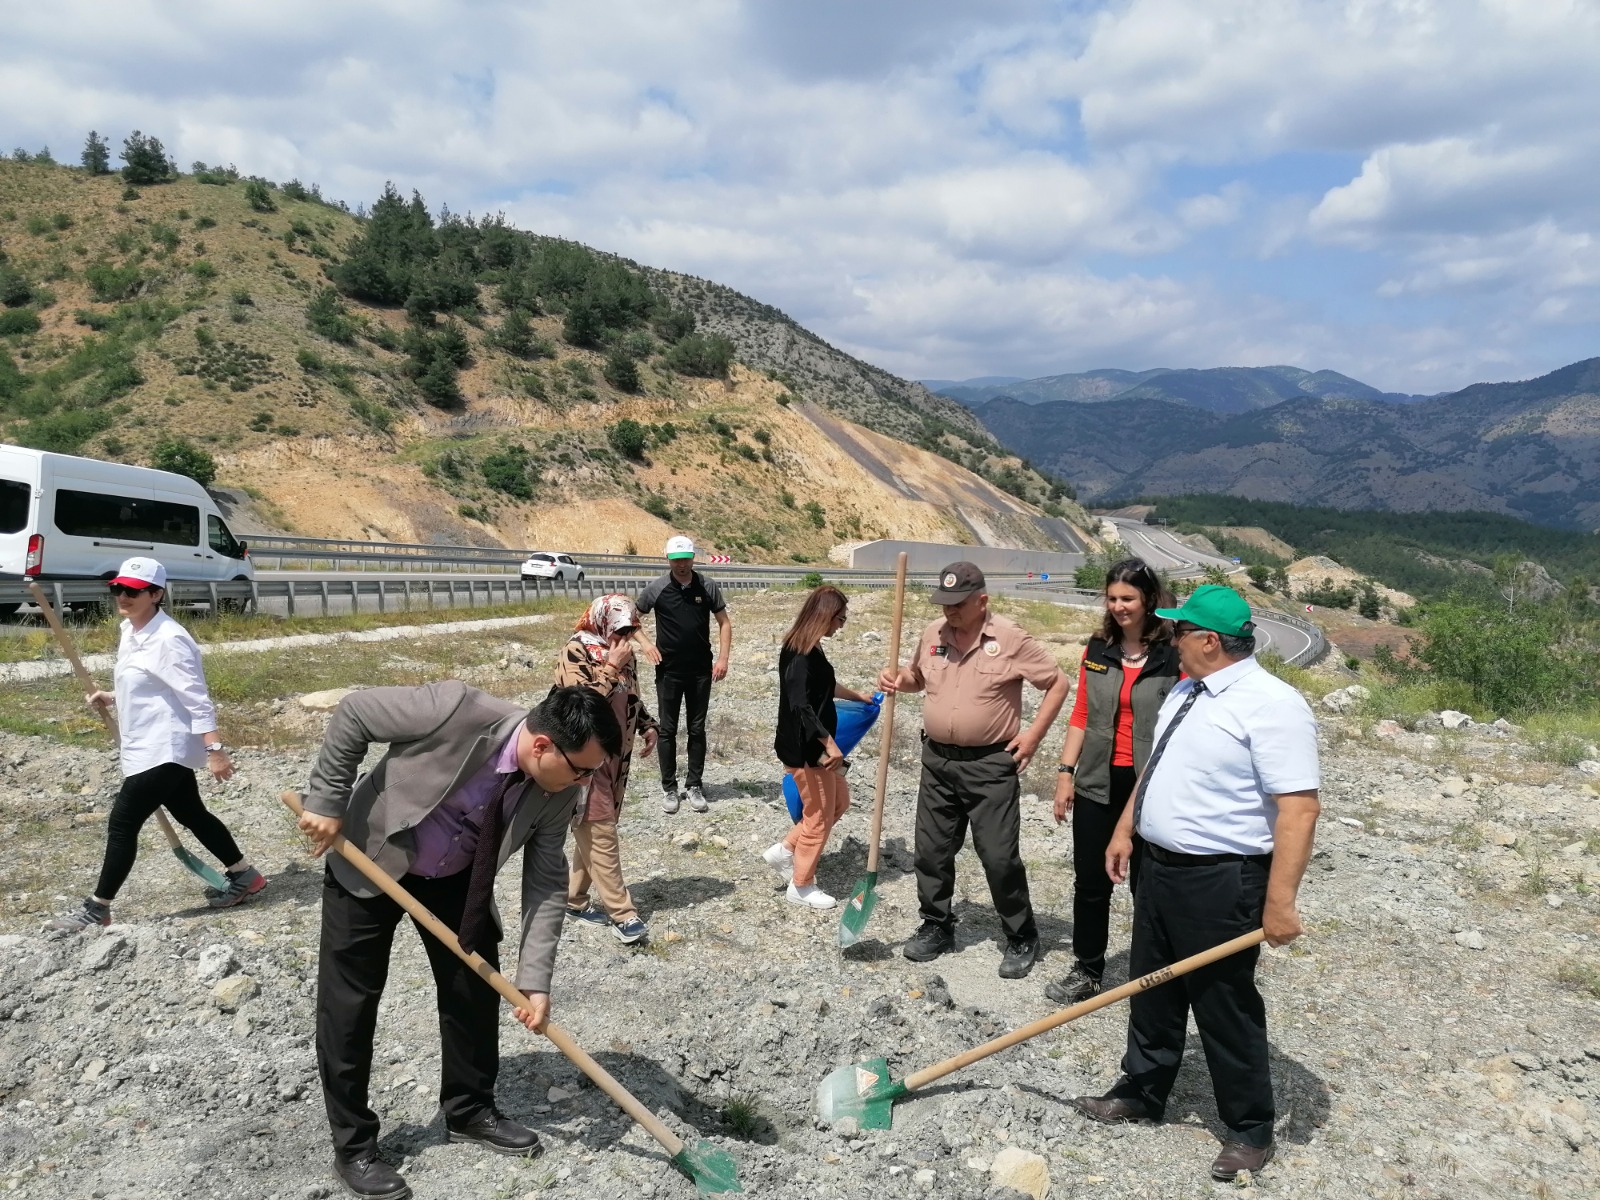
694	695
171	785
357	936
981	793
1181	910
1092	827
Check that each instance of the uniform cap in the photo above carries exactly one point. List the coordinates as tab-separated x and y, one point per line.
1214	607
957	582
679	546
141	573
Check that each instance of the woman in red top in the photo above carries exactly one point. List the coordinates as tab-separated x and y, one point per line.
1128	668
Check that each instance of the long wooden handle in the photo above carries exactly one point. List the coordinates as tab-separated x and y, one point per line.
509	991
1045	1024
886	732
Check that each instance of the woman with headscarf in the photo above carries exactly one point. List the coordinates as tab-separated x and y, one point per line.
599	655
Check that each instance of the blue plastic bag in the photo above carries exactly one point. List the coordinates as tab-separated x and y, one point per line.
856	717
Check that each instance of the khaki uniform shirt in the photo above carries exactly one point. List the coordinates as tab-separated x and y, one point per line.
975	699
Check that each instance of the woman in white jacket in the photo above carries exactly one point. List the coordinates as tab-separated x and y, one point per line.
168	729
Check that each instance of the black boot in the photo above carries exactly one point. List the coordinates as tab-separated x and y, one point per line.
500	1134
371	1178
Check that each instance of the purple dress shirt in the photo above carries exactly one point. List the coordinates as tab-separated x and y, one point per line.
448	838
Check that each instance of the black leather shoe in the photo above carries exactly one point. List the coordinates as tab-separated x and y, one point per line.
500	1134
1019	959
371	1178
1074	987
1236	1157
1110	1110
929	942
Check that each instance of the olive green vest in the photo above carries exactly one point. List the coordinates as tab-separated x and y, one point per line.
1102	679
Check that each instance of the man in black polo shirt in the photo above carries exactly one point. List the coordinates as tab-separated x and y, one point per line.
684	602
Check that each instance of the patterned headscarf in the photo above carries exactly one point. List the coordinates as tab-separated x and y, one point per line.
606	616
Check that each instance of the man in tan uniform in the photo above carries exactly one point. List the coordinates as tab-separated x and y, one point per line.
972	665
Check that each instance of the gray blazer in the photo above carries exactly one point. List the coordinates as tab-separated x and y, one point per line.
438	736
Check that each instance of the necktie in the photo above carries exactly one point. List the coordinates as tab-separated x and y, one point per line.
1166	736
477	920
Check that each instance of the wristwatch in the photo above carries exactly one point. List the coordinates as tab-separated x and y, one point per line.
218	748
1066	768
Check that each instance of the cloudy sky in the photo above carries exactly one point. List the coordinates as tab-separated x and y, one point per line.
1403	190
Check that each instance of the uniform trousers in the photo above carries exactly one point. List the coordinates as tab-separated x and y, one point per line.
357	935
1092	827
1181	910
982	794
694	695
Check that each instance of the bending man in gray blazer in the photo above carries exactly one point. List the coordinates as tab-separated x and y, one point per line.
468	779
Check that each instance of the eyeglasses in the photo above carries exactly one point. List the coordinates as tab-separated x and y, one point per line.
577	771
123	589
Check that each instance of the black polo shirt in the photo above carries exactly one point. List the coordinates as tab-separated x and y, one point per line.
683	622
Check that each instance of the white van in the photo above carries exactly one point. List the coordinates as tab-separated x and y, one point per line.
64	517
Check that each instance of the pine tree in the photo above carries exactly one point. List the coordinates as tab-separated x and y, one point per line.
96	155
146	160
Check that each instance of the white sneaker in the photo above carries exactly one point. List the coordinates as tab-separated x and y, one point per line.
781	859
669	800
811	894
697	800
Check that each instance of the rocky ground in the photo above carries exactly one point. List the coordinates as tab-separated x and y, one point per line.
1436	1033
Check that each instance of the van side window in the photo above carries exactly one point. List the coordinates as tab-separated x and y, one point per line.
126	518
220	539
13	506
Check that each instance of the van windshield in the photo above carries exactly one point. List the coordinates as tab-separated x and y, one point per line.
13	506
126	518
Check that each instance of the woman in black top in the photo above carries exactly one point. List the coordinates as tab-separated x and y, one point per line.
804	742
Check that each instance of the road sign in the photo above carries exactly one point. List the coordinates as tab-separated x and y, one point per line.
719	559
1044	575
1308	608
1235	560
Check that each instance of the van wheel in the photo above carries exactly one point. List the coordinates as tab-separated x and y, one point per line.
89	611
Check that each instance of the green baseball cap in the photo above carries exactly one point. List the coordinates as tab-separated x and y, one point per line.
1214	607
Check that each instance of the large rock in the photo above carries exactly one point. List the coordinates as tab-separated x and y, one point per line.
324	701
1022	1171
234	991
1346	699
216	961
1451	719
105	952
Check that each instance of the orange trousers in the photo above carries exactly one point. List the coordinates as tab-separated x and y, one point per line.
824	795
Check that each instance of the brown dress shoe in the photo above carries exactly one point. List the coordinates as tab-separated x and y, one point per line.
1109	1110
1236	1157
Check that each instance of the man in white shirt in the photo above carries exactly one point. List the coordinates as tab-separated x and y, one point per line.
1226	808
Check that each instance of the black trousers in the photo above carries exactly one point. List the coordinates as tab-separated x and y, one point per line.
1179	911
695	696
982	794
1092	827
357	935
172	786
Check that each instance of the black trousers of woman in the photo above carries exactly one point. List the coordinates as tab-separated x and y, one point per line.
173	787
1092	827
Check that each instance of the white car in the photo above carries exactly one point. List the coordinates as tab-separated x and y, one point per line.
543	565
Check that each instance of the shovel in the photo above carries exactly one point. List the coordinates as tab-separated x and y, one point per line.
193	865
865	1091
709	1169
864	896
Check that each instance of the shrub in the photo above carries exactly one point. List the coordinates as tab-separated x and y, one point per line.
258	195
1327	594
439	386
96	156
18	320
508	471
146	160
657	506
203	268
811	579
183	457
217	176
627	438
15	290
1369	606
328	316
515	335
65	430
621	372
38	225
372	414
674	324
707	355
204	222
61	221
295	190
583	325
110	283
1260	575
814	511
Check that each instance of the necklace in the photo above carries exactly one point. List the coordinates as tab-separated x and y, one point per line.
1134	658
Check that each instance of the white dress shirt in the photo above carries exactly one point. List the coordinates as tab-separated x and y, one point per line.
1248	738
163	707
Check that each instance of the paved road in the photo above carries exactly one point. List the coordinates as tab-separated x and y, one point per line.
1163	551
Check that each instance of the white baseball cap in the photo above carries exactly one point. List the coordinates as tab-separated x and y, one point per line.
141	573
679	546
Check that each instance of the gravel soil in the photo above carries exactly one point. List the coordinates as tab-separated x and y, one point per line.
1435	1033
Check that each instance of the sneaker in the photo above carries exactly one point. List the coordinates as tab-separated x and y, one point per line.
1019	958
929	942
810	895
781	859
588	914
670	798
92	913
1075	987
631	931
697	800
240	884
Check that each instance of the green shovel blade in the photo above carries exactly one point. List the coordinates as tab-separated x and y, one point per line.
709	1169
858	909
863	1091
210	874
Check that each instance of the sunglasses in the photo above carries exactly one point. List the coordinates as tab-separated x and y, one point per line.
577	771
123	589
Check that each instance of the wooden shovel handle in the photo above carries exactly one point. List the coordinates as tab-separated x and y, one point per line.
886	725
563	1040
1045	1024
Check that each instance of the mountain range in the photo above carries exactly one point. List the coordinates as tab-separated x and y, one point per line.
1530	449
1216	389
